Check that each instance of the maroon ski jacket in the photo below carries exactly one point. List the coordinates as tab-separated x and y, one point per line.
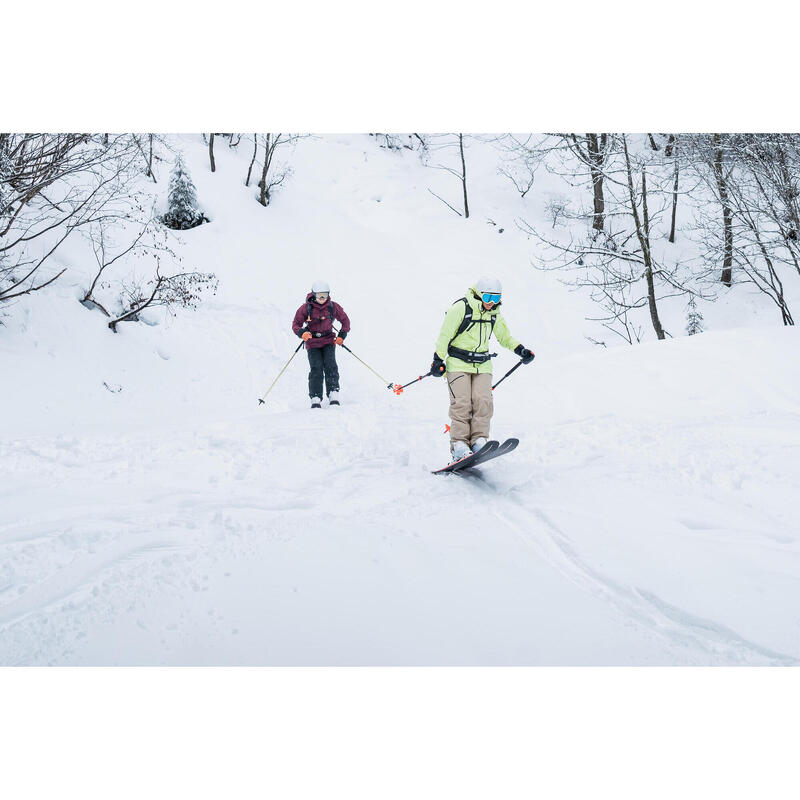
318	321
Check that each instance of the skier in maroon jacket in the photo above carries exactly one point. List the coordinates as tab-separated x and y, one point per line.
313	323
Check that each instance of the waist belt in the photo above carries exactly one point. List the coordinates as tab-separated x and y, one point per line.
320	335
469	356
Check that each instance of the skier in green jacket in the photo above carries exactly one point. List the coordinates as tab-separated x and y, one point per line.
462	351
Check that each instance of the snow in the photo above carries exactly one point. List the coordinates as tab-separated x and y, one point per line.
153	513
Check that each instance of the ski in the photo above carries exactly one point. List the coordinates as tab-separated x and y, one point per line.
490	450
469	461
506	447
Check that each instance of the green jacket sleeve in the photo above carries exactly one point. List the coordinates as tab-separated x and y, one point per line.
452	319
502	333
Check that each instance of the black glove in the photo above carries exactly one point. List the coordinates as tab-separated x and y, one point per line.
525	354
342	334
437	367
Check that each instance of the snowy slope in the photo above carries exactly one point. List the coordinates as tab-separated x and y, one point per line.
648	517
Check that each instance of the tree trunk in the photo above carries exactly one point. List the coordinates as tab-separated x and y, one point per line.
150	157
463	174
651	289
264	199
596	156
253	159
211	152
670	145
674	203
727	221
642	232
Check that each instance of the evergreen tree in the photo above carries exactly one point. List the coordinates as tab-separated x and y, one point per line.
182	198
694	319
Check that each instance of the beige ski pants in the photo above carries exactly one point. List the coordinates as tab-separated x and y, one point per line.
471	406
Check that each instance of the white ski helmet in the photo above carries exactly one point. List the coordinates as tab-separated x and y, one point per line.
491	285
320	286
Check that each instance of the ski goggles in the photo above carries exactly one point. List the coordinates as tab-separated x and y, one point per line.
323	295
488	297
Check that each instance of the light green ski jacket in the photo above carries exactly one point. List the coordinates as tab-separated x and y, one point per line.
476	338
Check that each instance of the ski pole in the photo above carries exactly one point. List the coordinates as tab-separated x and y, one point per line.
397	389
365	364
261	399
516	366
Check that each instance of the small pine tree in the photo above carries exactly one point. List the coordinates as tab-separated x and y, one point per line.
694	319
182	199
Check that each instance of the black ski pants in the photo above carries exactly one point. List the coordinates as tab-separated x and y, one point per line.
322	359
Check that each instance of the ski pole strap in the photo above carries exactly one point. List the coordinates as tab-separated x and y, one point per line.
516	366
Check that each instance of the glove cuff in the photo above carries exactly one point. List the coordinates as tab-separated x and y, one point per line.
518	349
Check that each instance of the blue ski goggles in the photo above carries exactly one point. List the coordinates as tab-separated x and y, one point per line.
488	297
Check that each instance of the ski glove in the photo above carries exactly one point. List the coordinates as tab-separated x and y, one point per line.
342	335
306	336
525	354
437	367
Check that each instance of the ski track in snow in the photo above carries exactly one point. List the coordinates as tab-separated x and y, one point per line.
65	566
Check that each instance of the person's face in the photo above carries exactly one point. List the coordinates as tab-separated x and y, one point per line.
321	297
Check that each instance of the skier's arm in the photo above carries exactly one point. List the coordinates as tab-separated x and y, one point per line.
452	319
299	320
338	313
502	333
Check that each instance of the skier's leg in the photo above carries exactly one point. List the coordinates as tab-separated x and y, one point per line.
458	386
331	368
482	406
315	374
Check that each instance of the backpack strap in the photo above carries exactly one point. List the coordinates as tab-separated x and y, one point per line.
467	321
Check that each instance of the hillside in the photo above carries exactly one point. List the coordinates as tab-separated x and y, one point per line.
154	514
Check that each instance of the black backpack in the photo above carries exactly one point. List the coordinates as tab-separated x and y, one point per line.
466	323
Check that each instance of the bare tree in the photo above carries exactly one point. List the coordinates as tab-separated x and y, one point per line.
273	174
671	151
440	145
520	161
618	265
50	186
643	234
722	188
211	152
252	160
592	150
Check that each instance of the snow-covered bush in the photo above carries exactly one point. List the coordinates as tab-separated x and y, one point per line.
182	213
694	319
183	290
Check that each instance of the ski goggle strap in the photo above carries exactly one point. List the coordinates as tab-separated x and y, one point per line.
488	297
